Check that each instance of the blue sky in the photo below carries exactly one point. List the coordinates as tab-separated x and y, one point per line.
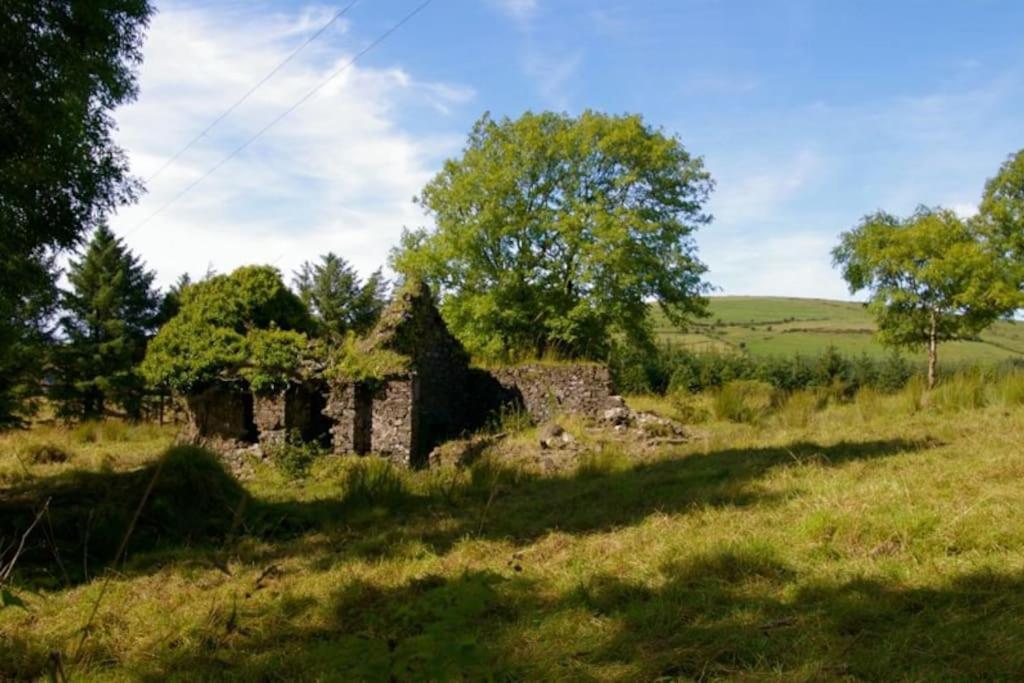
808	115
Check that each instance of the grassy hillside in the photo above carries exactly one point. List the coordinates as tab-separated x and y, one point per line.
874	540
775	325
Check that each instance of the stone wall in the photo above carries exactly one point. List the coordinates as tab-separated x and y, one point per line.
221	413
299	409
547	390
412	326
394	421
376	418
348	409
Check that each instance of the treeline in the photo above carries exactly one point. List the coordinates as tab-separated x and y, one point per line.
668	370
90	362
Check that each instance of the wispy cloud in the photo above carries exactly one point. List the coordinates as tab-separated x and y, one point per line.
337	174
519	10
553	75
755	191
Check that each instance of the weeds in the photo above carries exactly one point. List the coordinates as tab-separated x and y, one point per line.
372	480
748	401
294	457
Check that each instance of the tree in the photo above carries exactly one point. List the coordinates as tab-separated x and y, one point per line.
110	312
930	277
1001	213
243	327
170	304
66	65
554	233
339	301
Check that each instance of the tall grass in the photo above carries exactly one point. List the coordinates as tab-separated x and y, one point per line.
748	401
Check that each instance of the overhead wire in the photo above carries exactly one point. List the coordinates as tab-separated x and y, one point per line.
298	103
237	103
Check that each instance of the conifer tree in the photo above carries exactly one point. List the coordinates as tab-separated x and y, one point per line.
339	300
110	311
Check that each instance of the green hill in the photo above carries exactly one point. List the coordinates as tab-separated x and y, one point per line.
786	326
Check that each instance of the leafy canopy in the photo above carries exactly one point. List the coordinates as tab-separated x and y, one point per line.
110	311
1001	213
66	65
339	301
553	233
930	277
246	326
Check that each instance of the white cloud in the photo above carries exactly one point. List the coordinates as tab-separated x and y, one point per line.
751	192
796	263
337	174
520	10
965	209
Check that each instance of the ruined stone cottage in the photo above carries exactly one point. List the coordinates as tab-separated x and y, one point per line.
410	389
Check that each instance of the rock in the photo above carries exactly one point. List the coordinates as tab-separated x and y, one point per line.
551	435
614	402
617	416
656	427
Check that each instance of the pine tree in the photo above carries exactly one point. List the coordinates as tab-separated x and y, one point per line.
110	312
337	297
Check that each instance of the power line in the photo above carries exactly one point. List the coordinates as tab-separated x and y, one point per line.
302	100
248	93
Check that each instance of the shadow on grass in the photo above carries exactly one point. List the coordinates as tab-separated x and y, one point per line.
195	506
735	613
742	612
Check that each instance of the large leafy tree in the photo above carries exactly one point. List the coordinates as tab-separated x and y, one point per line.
930	277
110	311
66	64
336	296
1001	213
555	233
246	327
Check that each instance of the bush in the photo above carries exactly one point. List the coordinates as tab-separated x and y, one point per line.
194	500
294	457
671	369
687	408
747	401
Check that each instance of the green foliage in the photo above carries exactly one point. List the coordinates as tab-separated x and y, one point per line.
553	232
67	65
687	407
274	356
931	278
28	297
356	361
745	400
339	301
246	324
672	370
1001	213
110	311
372	480
192	498
294	457
510	419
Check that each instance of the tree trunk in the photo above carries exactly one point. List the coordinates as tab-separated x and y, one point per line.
933	352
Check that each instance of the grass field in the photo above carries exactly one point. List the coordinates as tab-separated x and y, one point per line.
876	539
771	325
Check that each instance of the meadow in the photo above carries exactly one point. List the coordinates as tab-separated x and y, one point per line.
787	326
867	539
